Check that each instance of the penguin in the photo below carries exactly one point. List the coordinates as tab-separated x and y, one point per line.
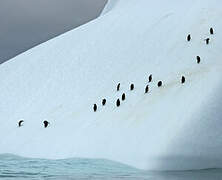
188	37
146	89
118	87
183	80
46	123
211	31
159	84
131	87
198	59
207	40
123	97
118	103
94	107
20	123
150	77
104	102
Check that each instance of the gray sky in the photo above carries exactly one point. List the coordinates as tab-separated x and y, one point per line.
26	23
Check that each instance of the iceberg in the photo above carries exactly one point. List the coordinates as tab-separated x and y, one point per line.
172	127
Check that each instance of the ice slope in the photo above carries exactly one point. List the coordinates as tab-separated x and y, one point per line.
173	127
110	4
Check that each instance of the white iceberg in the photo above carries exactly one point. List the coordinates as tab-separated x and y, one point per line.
177	126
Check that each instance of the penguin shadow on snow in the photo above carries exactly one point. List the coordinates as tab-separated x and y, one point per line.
119	104
153	95
163	86
157	93
56	109
55	112
141	109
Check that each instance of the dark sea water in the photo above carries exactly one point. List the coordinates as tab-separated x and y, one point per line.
14	167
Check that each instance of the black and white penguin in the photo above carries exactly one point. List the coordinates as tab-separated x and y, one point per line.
118	87
159	84
183	80
20	123
123	97
118	103
94	107
104	102
207	40
146	89
132	87
188	37
46	123
211	31
198	59
150	77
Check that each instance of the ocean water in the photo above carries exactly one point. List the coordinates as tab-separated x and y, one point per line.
14	167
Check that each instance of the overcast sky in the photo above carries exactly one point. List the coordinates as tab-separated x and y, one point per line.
26	23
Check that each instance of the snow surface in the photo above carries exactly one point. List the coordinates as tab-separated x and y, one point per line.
177	126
